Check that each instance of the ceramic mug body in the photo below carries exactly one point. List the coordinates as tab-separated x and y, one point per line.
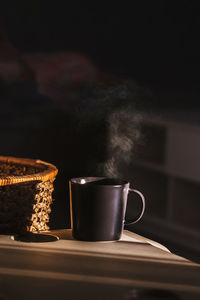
98	207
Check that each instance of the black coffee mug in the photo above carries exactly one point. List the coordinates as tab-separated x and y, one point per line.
98	207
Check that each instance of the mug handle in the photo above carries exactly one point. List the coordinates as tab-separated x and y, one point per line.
139	216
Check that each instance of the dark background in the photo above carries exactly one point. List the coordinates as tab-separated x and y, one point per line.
152	45
155	42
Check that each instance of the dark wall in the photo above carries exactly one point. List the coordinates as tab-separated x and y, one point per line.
156	42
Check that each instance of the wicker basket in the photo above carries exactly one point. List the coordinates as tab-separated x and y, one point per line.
26	187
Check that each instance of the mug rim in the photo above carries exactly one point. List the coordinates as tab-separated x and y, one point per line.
86	179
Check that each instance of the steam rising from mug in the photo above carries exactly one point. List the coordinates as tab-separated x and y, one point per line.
114	108
123	133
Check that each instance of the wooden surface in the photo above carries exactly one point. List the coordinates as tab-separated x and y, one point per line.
70	269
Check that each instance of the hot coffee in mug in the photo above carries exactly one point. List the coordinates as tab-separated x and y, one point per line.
98	207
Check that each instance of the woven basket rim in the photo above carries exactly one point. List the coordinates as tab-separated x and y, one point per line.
49	173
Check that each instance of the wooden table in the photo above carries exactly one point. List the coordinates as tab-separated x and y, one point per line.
70	269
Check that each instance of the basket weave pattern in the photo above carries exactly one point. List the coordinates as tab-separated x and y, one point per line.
42	207
26	188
